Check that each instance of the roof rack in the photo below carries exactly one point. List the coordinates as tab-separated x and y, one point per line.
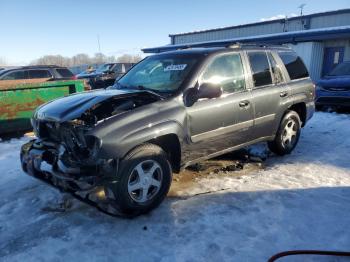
223	43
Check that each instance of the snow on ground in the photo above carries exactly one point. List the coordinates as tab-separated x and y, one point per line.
299	201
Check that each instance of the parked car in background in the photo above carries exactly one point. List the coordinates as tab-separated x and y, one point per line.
334	89
25	73
118	148
105	75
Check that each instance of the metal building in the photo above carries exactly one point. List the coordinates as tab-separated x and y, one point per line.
321	39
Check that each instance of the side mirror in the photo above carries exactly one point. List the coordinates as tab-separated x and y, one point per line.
206	90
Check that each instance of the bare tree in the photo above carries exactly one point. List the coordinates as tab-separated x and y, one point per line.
126	58
80	59
52	60
84	59
3	61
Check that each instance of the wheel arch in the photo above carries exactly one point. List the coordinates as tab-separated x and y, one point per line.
168	136
300	109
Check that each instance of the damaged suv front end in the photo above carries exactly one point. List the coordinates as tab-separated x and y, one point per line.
68	153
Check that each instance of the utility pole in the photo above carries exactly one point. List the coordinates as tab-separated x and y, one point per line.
301	7
98	42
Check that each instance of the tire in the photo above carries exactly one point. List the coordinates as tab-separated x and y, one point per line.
288	134
141	171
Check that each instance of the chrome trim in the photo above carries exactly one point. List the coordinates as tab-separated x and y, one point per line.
222	130
264	119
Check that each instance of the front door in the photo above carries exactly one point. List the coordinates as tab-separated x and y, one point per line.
332	57
220	123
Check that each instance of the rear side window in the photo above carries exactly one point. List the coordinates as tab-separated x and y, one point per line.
276	70
226	71
261	68
39	74
16	75
64	72
294	65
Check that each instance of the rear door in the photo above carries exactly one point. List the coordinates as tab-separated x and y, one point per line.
269	91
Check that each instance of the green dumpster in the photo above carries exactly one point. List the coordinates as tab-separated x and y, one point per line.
18	102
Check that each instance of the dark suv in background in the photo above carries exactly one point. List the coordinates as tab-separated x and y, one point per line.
118	148
36	72
333	90
105	75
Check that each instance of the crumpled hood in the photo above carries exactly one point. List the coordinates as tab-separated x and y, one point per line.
73	106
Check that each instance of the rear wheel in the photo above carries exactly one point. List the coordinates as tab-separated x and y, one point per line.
144	179
288	134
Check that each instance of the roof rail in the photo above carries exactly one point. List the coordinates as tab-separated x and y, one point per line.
223	43
255	44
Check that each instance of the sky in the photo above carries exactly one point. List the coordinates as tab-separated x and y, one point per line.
33	28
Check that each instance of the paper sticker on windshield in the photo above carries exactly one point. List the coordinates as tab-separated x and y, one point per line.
175	67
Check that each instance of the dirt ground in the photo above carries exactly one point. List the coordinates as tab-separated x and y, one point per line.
235	164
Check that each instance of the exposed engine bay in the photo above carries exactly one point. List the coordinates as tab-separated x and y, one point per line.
72	134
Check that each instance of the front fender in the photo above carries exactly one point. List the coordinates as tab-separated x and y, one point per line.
118	148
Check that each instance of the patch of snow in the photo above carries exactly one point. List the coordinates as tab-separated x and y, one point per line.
300	201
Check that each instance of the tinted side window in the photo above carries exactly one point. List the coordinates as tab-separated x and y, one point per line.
276	71
295	66
17	75
39	74
64	72
261	68
226	71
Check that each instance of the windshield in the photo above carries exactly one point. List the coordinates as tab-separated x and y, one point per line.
158	73
104	68
341	70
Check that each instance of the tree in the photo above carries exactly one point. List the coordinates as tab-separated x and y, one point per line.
52	60
84	59
126	58
80	59
3	61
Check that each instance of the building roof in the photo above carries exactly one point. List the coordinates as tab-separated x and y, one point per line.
334	12
278	38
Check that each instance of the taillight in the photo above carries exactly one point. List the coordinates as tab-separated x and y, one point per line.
74	77
313	92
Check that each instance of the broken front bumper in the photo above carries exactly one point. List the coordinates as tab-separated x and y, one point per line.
91	183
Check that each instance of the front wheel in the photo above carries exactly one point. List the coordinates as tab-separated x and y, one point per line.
288	134
144	179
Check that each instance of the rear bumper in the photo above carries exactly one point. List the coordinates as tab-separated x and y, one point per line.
93	185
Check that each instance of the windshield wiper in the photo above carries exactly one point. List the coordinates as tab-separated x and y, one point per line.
139	87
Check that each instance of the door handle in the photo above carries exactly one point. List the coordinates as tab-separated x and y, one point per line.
244	103
283	94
